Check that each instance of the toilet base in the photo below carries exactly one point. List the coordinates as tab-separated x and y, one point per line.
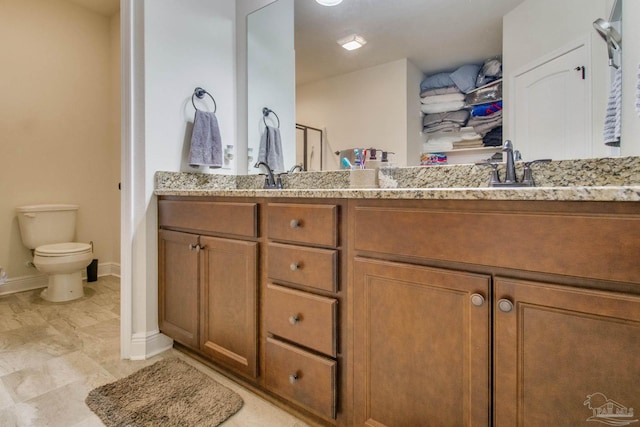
63	287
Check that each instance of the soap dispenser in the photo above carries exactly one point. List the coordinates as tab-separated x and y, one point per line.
385	159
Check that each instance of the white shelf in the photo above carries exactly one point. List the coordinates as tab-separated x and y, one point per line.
470	155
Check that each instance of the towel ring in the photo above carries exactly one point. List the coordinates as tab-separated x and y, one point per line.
265	113
200	93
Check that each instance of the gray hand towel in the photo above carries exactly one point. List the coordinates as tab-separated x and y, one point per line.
270	150
206	144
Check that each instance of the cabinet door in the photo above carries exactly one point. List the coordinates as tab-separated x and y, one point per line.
178	286
421	350
565	356
229	310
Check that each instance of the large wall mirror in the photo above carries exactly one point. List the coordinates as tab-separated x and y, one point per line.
370	97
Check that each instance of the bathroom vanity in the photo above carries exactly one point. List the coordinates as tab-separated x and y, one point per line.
402	307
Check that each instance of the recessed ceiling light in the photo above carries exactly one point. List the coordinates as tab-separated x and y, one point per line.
352	42
329	2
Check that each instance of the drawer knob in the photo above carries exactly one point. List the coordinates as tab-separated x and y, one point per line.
477	300
192	246
295	223
293	378
294	266
295	319
505	306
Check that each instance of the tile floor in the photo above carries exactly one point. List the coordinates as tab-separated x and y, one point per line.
53	354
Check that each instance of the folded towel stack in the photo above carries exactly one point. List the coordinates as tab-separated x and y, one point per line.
447	141
462	109
450	121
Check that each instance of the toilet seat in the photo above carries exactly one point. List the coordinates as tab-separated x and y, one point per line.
63	249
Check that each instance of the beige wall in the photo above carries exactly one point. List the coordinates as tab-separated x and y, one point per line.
365	108
58	125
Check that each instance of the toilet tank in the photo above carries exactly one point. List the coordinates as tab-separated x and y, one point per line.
46	224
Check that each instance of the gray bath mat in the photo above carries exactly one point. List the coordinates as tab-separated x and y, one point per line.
168	393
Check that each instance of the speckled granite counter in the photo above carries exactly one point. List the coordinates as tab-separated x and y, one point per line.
604	179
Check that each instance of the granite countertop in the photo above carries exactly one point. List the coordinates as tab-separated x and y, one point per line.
603	179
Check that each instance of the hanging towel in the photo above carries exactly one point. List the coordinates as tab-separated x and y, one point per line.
206	144
270	150
613	117
638	93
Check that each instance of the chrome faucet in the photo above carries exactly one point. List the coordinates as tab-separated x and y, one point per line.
296	167
510	176
510	179
270	182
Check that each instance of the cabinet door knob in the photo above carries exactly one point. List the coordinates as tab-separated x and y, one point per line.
294	266
505	306
295	223
477	300
294	319
293	378
192	246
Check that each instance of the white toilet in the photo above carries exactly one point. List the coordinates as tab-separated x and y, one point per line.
49	230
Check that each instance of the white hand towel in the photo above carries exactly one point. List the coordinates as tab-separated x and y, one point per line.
270	150
206	144
613	117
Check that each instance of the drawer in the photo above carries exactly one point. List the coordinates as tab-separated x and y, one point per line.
558	238
301	317
302	377
301	223
305	266
209	217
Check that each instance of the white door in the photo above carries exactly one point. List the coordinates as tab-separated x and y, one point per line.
552	114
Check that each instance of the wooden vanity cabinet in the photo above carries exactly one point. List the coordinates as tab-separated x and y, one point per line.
412	312
302	301
555	346
422	345
178	290
557	332
208	277
229	329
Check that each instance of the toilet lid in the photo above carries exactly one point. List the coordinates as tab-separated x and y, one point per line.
63	249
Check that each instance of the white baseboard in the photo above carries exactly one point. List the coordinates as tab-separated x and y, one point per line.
25	283
37	281
106	269
147	344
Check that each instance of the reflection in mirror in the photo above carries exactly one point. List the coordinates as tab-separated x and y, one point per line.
370	97
271	82
557	89
309	146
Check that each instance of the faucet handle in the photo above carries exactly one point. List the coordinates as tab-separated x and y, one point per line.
517	156
495	177
527	176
